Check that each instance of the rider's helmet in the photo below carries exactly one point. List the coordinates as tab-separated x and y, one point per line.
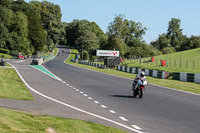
142	74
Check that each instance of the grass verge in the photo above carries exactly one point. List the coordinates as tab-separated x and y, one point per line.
180	85
11	86
185	61
20	122
5	56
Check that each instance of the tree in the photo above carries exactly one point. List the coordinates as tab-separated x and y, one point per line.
124	33
115	43
51	21
37	34
194	42
162	42
78	28
174	33
21	30
87	41
5	3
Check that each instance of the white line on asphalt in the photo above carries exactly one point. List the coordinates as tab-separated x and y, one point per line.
132	79
85	95
74	88
96	102
81	92
75	108
64	82
77	89
103	106
71	86
111	111
124	119
90	98
136	127
46	73
67	84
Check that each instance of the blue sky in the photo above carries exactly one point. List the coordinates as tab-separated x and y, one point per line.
153	14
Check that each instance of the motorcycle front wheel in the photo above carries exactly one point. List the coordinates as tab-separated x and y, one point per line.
141	93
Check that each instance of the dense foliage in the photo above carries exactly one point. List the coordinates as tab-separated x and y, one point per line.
123	35
30	27
36	26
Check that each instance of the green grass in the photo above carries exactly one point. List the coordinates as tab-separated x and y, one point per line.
73	54
11	86
180	85
6	56
21	122
186	61
49	56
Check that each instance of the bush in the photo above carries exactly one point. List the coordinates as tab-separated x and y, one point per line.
15	53
168	50
5	51
85	55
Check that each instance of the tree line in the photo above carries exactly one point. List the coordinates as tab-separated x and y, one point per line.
36	26
174	40
30	27
123	35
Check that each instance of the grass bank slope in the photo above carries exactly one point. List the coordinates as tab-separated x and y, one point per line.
185	61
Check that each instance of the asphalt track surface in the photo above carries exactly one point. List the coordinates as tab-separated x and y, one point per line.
161	110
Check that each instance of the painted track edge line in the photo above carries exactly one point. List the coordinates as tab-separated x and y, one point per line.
80	110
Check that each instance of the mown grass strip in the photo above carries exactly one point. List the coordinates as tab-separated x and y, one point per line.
11	86
51	56
186	61
15	121
180	85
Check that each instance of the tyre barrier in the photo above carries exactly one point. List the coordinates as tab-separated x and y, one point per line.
188	77
148	72
92	64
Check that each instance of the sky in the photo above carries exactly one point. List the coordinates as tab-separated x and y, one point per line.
152	14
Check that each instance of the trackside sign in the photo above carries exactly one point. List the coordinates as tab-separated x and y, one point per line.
107	53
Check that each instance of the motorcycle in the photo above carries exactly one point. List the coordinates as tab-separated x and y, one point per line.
138	87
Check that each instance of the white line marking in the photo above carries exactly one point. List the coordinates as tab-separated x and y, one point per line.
85	95
103	106
124	119
67	84
136	127
96	102
81	92
64	82
46	73
90	98
77	89
132	79
71	86
75	108
111	111
74	88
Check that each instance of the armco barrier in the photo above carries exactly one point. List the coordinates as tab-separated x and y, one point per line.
189	77
92	64
148	72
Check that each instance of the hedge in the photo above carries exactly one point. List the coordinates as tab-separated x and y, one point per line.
5	51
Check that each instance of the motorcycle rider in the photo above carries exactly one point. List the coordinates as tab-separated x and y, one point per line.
137	77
